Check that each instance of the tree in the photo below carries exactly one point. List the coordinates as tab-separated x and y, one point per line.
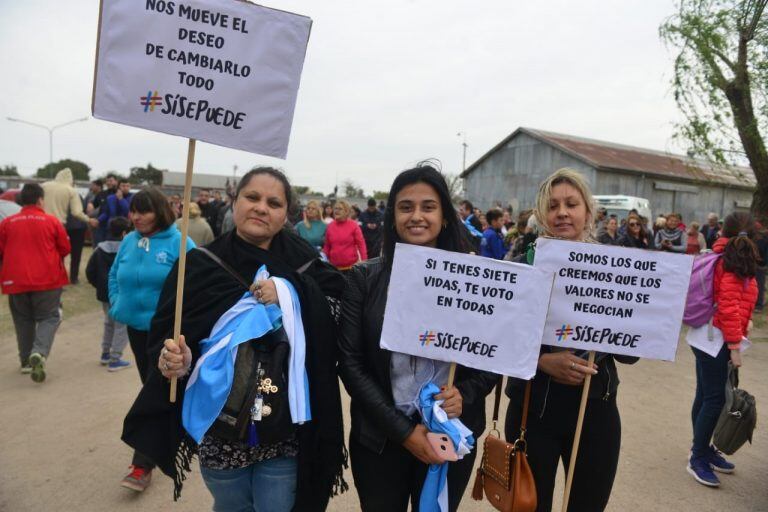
720	83
454	186
146	175
380	195
351	189
79	169
9	170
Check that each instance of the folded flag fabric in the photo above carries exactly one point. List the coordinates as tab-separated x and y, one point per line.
434	493
211	380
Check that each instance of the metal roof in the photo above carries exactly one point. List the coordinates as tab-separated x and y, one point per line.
611	156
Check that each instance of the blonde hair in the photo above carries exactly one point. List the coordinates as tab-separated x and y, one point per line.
194	210
344	204
543	198
316	206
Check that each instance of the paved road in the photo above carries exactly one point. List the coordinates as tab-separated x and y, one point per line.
60	448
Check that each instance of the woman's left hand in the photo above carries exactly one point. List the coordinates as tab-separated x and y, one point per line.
265	291
452	401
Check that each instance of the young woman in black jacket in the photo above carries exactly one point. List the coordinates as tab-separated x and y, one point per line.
389	450
564	210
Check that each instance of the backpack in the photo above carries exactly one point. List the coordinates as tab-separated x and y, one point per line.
700	304
738	417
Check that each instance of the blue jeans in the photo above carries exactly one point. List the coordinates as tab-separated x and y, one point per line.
268	486
711	376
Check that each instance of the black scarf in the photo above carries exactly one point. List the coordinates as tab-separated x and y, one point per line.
153	425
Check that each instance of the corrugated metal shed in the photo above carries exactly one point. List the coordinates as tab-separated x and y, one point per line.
610	156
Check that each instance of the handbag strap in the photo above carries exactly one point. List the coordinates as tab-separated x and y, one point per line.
526	402
225	266
236	274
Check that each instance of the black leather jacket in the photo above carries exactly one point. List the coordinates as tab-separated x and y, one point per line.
365	367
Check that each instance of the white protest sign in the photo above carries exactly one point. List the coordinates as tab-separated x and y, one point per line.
221	71
477	312
614	299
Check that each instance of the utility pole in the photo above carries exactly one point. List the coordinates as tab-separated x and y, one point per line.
464	150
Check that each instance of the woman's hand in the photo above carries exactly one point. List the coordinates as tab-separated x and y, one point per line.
736	357
566	368
452	401
265	291
175	360
419	446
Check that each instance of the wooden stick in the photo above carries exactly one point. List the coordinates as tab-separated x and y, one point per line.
577	434
183	253
451	375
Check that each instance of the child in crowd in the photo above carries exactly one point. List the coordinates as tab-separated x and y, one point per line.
492	243
115	333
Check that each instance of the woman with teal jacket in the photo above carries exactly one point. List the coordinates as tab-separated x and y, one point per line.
312	227
136	279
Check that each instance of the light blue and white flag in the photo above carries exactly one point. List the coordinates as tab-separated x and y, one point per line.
434	493
211	380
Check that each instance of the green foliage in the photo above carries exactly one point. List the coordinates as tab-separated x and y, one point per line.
148	175
300	190
380	195
9	170
721	83
79	169
351	189
720	75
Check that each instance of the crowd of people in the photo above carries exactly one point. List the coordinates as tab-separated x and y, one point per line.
298	293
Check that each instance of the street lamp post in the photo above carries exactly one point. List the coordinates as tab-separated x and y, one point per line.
50	130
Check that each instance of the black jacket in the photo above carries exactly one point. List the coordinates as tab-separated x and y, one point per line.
365	367
153	425
97	270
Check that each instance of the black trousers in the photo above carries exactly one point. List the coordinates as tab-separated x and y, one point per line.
551	424
77	240
387	482
139	340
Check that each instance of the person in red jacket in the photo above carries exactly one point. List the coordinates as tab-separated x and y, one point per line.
344	243
735	293
32	248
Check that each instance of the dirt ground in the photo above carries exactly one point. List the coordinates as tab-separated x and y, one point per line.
60	448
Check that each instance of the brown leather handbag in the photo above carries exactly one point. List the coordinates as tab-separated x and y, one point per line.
504	473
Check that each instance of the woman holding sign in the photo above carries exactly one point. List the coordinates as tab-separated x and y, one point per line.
388	444
299	466
564	209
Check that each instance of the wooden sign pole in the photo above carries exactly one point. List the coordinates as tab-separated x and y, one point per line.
451	375
183	253
577	434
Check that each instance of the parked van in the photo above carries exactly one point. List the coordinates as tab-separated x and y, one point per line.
620	206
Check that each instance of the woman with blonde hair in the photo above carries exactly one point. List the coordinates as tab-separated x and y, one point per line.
312	228
199	229
344	243
565	210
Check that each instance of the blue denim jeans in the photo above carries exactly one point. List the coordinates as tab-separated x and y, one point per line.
711	376
268	486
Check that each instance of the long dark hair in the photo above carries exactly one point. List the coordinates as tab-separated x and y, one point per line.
740	255
452	236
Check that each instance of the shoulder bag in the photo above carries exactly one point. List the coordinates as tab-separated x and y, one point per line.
504	474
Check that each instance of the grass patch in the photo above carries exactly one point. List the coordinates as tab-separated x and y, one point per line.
77	299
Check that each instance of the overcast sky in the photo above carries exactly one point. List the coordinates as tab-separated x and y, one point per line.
385	84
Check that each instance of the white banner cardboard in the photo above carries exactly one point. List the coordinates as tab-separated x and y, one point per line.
221	71
477	312
614	299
